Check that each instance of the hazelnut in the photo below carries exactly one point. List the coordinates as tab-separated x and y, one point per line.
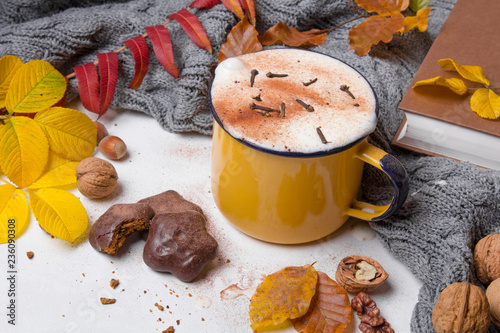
493	296
96	178
360	274
101	131
487	258
461	308
112	147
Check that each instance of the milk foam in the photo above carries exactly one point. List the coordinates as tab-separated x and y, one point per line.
341	118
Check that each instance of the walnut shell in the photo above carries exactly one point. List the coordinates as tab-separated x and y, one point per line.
487	258
461	308
96	178
346	275
493	296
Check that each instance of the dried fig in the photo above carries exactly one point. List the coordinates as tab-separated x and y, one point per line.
487	258
493	296
461	308
360	274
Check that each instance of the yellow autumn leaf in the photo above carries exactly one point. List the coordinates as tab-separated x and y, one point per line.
36	86
24	150
71	133
418	21
14	212
62	175
471	73
486	103
456	85
9	65
283	295
59	212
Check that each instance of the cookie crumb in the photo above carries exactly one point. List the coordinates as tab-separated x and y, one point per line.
160	307
178	322
30	254
169	330
114	283
108	300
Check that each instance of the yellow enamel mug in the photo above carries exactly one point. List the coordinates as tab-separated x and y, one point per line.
290	198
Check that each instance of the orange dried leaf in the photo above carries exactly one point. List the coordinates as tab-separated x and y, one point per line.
283	34
192	26
486	103
285	294
249	8
418	21
373	30
330	310
241	40
454	84
384	7
471	73
234	7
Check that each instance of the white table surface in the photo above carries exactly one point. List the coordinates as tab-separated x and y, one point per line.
59	290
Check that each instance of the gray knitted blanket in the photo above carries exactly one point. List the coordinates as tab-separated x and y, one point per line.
451	205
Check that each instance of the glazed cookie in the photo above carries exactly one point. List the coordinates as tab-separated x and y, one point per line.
110	230
170	202
179	243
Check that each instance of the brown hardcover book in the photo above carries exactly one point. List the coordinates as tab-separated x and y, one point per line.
440	122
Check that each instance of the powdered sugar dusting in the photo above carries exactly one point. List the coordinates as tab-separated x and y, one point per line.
341	118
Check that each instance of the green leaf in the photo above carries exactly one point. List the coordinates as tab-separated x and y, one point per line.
416	5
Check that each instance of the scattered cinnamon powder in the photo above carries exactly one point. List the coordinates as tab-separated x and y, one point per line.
108	300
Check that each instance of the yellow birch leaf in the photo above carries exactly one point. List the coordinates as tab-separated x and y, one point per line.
283	295
418	21
63	175
14	212
9	65
36	86
456	85
59	212
486	103
471	73
71	133
24	150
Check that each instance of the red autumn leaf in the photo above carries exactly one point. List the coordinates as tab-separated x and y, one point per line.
204	3
249	8
383	7
108	72
88	86
162	47
330	309
140	52
283	34
234	7
192	26
373	30
242	39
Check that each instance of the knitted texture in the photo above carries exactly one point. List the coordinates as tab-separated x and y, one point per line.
451	205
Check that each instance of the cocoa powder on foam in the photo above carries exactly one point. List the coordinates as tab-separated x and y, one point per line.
335	112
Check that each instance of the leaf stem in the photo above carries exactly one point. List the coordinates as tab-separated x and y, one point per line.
491	88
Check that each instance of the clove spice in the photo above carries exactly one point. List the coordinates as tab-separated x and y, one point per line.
345	88
263	110
282	110
306	106
271	75
257	98
310	82
321	135
253	74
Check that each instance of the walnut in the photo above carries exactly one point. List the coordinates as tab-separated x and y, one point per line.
360	274
367	311
96	178
461	308
487	258
493	296
375	325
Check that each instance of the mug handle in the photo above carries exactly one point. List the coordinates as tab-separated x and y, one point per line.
399	178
